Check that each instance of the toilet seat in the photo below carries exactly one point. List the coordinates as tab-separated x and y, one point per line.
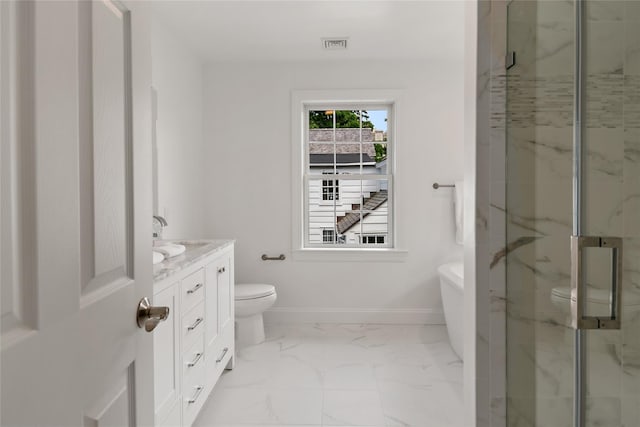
253	291
596	296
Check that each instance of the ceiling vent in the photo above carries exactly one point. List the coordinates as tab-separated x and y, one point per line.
338	43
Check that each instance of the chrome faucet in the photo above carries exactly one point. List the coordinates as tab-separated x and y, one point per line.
157	233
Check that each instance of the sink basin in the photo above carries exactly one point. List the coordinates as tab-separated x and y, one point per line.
157	257
170	250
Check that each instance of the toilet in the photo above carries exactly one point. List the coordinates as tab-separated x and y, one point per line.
251	300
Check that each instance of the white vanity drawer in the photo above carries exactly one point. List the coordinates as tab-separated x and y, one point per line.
192	326
219	354
193	358
192	288
194	393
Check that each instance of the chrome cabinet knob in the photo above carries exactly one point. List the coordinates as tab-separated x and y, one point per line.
149	316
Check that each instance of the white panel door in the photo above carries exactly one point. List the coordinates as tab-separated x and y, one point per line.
76	213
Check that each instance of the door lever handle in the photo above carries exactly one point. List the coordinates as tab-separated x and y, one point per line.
149	316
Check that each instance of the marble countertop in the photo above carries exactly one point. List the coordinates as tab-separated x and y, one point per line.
195	251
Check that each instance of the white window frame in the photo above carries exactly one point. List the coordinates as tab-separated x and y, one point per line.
301	102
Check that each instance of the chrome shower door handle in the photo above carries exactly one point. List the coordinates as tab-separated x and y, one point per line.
578	292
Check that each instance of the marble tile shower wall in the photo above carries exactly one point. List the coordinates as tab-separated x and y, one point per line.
532	109
490	215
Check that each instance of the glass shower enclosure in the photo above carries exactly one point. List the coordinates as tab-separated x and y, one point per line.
573	213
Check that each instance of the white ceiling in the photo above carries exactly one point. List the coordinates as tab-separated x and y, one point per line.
292	30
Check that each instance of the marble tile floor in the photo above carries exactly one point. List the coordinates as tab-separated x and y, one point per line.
317	375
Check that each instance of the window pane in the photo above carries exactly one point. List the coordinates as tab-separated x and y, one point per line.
378	120
321	126
348	127
322	209
321	119
375	207
321	158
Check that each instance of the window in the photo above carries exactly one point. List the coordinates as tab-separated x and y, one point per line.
328	236
329	190
372	240
347	176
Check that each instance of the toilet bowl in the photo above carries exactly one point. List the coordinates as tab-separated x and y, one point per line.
251	300
452	290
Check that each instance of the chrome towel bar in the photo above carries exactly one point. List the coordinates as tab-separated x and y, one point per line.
275	258
436	185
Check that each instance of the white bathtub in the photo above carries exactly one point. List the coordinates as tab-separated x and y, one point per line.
452	289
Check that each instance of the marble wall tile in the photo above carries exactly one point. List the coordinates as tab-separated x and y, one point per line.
630	411
540	100
603	411
539	182
632	47
483	193
604	364
632	101
631	358
553	361
605	10
486	57
499	411
498	103
604	47
631	318
550	412
604	100
632	10
631	266
541	50
497	221
602	179
498	379
631	178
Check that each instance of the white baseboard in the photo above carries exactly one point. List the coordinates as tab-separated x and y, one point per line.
410	316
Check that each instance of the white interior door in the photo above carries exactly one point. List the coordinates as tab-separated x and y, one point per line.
75	213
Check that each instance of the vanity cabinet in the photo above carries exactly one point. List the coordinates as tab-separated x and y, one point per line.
196	343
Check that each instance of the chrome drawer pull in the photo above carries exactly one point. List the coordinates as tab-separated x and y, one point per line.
224	353
195	396
195	361
195	288
195	324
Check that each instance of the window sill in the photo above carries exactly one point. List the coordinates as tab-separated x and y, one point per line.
350	255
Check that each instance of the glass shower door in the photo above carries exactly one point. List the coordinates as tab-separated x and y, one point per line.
573	169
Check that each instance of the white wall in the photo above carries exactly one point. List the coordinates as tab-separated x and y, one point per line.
178	80
248	154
